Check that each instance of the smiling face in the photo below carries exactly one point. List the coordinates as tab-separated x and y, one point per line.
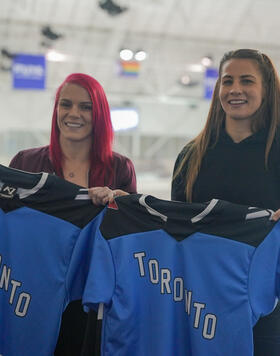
74	113
241	89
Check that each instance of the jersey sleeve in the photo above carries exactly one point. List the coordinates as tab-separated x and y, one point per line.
264	275
101	279
79	270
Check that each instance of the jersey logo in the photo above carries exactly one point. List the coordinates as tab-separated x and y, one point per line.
7	192
113	205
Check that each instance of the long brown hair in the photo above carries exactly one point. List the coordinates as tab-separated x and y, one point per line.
268	116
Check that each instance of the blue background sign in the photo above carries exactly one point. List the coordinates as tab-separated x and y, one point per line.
29	71
211	76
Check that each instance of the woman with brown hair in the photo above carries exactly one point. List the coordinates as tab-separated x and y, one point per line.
236	157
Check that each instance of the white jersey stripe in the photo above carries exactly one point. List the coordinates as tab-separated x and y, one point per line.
23	193
259	214
151	210
82	197
205	212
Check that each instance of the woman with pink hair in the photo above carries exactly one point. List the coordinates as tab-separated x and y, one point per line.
80	151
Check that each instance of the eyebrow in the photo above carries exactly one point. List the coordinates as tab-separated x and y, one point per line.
242	76
82	102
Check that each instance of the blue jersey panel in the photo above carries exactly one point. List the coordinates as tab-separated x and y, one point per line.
264	277
35	253
164	297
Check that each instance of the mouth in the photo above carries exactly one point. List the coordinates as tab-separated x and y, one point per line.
73	125
237	102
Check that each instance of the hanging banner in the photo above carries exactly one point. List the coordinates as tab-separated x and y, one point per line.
210	78
129	68
29	71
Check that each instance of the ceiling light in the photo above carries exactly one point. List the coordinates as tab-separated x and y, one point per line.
55	56
140	55
49	33
126	54
196	68
124	118
185	79
207	61
111	7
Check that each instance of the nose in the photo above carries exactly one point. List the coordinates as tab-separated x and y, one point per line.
74	110
236	89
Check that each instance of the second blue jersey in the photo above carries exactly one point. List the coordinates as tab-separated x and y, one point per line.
182	279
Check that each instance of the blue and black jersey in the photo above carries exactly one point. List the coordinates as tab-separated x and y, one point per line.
43	262
182	279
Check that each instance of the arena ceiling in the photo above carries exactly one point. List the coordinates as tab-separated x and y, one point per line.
175	33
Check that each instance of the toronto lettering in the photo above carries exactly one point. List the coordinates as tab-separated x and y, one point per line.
175	286
17	298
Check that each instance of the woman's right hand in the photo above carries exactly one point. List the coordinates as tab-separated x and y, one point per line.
104	195
276	215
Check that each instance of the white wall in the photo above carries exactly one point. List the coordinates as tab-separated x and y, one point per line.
32	110
166	124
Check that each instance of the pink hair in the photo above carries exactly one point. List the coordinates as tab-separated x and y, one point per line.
101	172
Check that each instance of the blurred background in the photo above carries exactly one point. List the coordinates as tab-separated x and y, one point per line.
156	59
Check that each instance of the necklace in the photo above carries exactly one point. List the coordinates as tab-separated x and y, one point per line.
77	178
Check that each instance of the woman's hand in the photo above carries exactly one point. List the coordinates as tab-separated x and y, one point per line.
104	195
276	215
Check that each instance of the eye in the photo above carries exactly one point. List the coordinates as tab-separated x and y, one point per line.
227	82
247	81
86	107
65	104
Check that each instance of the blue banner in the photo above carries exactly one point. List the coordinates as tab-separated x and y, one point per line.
29	71
210	78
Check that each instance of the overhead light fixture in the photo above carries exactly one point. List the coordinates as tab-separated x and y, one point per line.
187	82
198	68
50	34
140	55
55	56
126	54
6	60
185	79
207	61
124	118
7	54
111	7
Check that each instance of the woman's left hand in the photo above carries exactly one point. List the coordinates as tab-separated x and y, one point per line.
104	195
276	215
